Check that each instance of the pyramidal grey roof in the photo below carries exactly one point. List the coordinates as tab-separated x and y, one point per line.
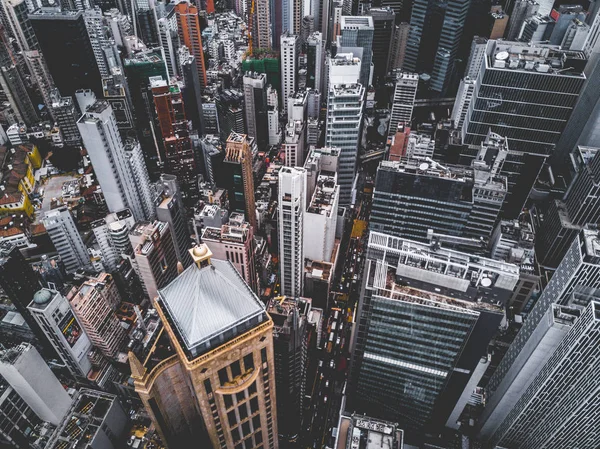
205	302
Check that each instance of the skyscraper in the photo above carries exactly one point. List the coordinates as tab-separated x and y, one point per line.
120	168
190	35
179	152
255	107
384	28
445	313
192	90
315	61
291	206
403	100
66	46
65	113
52	312
289	59
358	32
112	235
227	361
94	304
239	177
345	99
66	239
522	10
435	32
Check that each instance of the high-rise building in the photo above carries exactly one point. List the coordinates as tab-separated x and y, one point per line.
228	362
398	46
53	313
462	102
169	209
180	157
112	235
40	75
522	10
235	242
315	54
290	345
403	101
168	42
579	206
291	206
190	35
447	312
65	114
413	198
289	59
66	239
120	168
434	39
345	99
294	142
192	91
239	177
384	28
230	107
358	32
94	303
273	116
574	284
261	30
354	429
154	256
255	107
568	378
28	375
66	46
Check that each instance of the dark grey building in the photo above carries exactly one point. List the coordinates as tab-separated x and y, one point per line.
359	32
383	24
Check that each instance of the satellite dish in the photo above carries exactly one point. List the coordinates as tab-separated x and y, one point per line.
502	56
424	166
486	282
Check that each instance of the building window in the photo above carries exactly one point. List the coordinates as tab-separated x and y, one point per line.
223	377
248	361
231	418
236	369
207	386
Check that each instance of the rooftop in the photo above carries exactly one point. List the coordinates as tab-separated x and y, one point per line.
363	432
591	238
326	192
210	305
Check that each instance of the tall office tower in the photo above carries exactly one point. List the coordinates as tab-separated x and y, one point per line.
139	67
28	375
14	16
462	101
66	46
345	99
239	178
94	304
228	362
320	218
384	27
568	377
574	284
20	283
580	206
314	61
358	32
169	209
230	107
255	107
476	57
307	28
235	242
575	36
434	39
179	152
112	235
273	116
291	209
413	197
145	24
336	19
565	16
398	46
403	100
119	167
188	25
537	29
191	90
65	237
40	75
17	418
168	42
531	120
290	345
522	10
94	23
294	143
52	312
261	29
289	60
65	114
154	256
447	311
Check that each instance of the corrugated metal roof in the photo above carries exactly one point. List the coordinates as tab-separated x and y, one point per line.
205	302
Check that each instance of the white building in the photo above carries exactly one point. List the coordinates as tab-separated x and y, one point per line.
463	98
291	205
254	84
27	373
52	312
120	168
320	219
404	100
345	99
294	143
112	235
289	61
65	237
420	146
168	42
94	24
273	116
